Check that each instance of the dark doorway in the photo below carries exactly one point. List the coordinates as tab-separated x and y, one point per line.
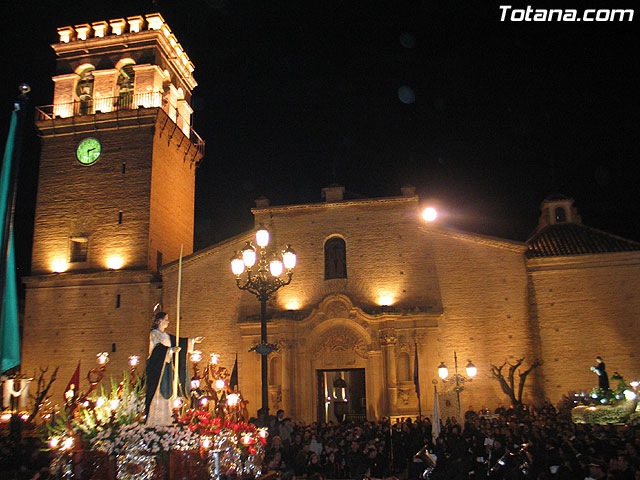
341	395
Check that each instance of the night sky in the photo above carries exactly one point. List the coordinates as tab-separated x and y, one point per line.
296	95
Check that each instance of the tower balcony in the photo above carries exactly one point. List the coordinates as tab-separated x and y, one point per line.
106	105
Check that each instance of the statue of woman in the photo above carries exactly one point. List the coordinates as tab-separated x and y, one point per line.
600	370
160	366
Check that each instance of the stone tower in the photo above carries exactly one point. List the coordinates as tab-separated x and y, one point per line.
115	192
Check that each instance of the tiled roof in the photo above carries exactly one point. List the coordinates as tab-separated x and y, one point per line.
575	239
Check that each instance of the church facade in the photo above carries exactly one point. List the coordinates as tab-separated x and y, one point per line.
378	297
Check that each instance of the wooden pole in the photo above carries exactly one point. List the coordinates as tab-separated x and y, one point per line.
176	371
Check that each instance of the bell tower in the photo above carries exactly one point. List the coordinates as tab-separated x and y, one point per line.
115	191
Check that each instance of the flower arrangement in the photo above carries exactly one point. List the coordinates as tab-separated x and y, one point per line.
246	437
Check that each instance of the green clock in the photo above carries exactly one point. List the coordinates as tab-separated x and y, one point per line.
88	151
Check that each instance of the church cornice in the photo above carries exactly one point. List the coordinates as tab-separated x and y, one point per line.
598	260
512	245
342	203
90	278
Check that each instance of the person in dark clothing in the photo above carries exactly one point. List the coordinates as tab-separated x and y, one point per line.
600	370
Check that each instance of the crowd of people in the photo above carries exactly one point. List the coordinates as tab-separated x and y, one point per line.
504	444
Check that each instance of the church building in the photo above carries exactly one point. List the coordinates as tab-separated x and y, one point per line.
378	299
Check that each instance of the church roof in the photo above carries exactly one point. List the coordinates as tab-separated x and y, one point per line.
563	239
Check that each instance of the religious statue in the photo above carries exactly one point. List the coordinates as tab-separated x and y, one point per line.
160	370
603	378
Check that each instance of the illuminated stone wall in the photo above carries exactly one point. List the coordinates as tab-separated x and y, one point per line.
586	306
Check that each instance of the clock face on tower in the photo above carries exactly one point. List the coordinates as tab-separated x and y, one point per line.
88	151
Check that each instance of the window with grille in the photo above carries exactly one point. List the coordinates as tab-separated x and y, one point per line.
79	249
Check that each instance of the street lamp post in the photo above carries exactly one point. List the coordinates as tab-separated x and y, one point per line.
263	270
457	380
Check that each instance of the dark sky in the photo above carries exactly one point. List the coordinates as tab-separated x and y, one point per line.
296	95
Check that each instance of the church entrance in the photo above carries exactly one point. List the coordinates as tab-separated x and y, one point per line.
341	395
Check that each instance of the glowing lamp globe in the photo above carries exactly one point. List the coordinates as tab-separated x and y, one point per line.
289	258
113	404
233	399
262	237
205	442
276	267
629	395
53	443
429	214
134	360
196	356
443	371
471	369
220	384
237	264
177	403
249	255
215	358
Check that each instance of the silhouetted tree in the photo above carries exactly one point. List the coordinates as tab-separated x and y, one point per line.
508	382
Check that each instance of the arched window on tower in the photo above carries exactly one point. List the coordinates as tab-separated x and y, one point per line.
560	214
84	92
335	258
125	88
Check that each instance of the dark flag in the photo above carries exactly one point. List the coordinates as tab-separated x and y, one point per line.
233	381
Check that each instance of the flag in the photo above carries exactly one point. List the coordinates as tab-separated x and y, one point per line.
435	428
416	375
9	335
75	381
233	381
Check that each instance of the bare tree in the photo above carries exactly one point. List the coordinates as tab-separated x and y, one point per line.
508	382
42	391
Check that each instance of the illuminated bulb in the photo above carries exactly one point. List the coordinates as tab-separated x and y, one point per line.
262	236
24	416
594	395
115	263
177	403
629	395
195	384
245	439
205	442
59	265
204	401
443	371
237	264
429	214
85	404
103	358
100	402
53	443
289	257
233	399
276	268
249	255
293	305
67	444
634	384
220	384
263	433
215	358
196	356
471	369
113	404
385	300
134	360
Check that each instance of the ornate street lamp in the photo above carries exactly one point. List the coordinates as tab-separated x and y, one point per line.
457	380
260	271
